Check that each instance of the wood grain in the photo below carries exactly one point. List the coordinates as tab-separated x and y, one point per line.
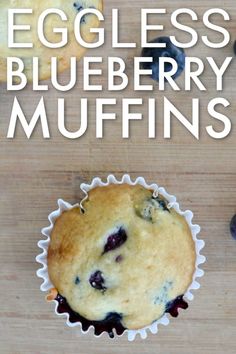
202	174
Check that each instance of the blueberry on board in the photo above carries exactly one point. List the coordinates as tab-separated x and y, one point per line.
162	203
97	281
233	227
171	51
115	240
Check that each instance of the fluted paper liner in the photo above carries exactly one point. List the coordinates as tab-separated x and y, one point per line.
62	206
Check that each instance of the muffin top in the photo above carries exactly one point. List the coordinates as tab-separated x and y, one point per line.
124	253
53	21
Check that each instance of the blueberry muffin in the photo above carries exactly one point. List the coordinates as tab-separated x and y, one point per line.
122	261
70	8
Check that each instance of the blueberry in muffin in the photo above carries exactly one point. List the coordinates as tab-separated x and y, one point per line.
171	51
127	248
78	5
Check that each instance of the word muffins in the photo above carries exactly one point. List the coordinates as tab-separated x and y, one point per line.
121	260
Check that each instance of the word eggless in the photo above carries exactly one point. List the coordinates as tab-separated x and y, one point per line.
17	80
115	28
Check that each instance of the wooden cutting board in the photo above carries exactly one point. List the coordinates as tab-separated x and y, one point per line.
202	174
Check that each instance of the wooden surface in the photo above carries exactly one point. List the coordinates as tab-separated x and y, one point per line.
202	174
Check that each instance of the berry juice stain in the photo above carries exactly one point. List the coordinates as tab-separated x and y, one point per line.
109	324
172	307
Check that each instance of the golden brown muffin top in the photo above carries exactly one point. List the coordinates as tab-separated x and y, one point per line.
126	254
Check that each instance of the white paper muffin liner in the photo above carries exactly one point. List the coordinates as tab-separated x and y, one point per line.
62	206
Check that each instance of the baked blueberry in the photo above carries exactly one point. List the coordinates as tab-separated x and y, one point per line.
173	306
171	51
162	203
119	258
79	8
233	226
77	5
150	209
77	280
162	296
97	281
115	240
